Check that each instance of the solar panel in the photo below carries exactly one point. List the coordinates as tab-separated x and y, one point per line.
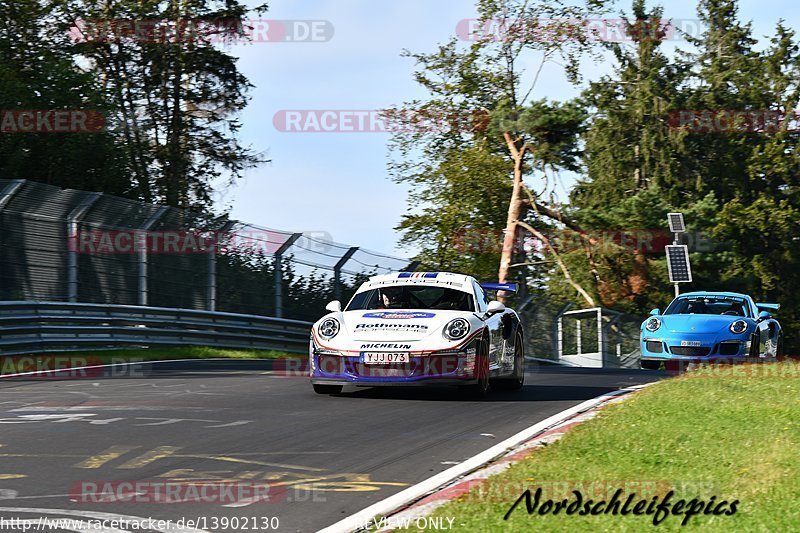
676	224
680	271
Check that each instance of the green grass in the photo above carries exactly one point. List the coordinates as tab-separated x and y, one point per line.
733	433
162	354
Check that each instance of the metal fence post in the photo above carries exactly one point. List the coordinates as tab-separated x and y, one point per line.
337	272
73	243
278	271
211	280
142	254
601	345
559	332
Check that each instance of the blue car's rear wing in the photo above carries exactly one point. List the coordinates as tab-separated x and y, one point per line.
762	306
510	287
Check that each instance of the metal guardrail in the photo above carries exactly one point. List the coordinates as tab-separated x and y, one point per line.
33	326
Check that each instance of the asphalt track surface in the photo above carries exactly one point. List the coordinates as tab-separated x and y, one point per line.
323	457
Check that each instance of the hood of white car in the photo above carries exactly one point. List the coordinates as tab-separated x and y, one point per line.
401	325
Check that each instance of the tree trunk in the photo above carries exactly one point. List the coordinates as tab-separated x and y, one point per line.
514	211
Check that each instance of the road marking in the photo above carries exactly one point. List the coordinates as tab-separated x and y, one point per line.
403	498
109	454
153	455
12	476
230	459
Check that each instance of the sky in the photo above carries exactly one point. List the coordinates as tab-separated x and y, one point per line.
337	183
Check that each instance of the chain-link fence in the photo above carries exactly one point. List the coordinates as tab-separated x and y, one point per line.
68	245
563	332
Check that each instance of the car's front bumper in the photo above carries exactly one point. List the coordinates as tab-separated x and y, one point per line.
694	347
437	368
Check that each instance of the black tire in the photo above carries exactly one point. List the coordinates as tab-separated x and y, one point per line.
780	353
517	380
650	365
481	389
327	389
755	346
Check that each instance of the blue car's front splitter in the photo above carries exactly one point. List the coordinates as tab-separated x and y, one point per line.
694	347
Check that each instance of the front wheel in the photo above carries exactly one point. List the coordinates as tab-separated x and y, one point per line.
327	389
650	365
481	388
517	378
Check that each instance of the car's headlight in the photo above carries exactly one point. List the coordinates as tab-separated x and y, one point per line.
740	326
456	329
652	324
328	328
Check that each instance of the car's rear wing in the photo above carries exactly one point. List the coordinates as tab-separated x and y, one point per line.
510	287
763	306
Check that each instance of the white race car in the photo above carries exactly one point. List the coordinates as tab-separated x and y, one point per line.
419	328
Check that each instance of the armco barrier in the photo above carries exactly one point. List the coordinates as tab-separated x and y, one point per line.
33	327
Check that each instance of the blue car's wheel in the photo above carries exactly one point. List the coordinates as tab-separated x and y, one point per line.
650	365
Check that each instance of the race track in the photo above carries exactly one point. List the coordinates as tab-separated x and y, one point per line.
326	457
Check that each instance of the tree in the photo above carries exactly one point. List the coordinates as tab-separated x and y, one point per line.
484	86
176	95
37	72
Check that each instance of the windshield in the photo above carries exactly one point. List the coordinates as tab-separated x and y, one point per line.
708	305
412	297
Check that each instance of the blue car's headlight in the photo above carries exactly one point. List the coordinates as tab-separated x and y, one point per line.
740	326
328	328
652	324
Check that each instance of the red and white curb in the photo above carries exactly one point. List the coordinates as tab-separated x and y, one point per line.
423	498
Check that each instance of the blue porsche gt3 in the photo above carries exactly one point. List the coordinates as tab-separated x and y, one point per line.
703	326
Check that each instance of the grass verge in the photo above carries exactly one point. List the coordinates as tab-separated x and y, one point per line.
728	432
163	354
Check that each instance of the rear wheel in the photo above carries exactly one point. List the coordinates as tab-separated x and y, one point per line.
517	378
327	389
480	389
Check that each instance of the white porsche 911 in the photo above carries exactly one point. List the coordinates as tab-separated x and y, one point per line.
419	328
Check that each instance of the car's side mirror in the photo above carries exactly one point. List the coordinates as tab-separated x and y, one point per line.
763	315
655	312
334	306
495	307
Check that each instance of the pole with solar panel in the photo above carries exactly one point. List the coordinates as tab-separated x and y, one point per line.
680	270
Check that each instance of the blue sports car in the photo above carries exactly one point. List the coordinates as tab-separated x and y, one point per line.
703	326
